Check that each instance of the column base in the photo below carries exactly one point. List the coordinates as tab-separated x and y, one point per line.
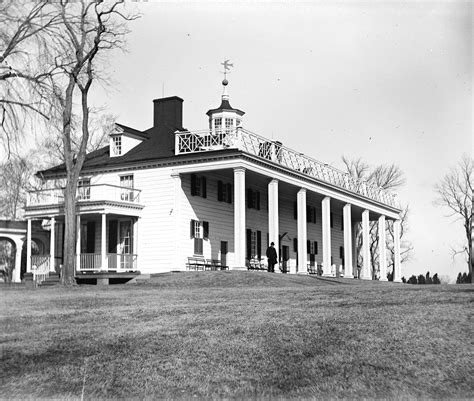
397	281
383	279
348	275
366	278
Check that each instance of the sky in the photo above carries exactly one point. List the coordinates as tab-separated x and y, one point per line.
389	82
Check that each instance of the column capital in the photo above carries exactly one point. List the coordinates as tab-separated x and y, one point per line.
175	175
302	190
239	169
274	181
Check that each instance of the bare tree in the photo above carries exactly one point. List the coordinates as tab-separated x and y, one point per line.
454	192
388	177
26	30
15	180
90	29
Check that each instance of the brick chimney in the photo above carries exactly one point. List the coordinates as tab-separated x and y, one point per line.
168	112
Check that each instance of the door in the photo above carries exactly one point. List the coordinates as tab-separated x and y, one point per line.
224	253
285	251
125	243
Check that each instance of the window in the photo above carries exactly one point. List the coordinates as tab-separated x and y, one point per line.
117	145
198	186
126	184
229	122
84	188
253	199
199	231
218	124
224	192
254	244
238	123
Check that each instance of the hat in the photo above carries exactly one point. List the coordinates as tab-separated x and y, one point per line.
272	243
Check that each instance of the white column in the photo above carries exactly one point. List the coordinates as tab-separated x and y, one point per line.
103	243
135	242
28	246
366	268
326	212
302	232
78	243
239	218
52	245
16	276
397	272
355	254
382	250
348	269
178	262
273	217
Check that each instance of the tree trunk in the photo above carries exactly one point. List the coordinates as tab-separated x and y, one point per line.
68	272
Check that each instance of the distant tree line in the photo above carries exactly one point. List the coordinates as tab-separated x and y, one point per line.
422	279
464	278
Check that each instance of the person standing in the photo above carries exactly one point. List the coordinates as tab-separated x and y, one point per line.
272	258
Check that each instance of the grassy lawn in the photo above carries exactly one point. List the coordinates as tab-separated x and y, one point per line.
238	335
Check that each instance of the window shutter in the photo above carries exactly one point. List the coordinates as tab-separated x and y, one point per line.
191	229
314	215
315	247
295	210
258	200
308	246
205	229
193	184
332	220
308	214
295	244
341	252
219	191
229	193
259	244
203	187
249	198
249	243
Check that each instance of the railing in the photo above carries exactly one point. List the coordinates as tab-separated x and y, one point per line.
89	262
122	262
92	262
40	267
202	141
100	192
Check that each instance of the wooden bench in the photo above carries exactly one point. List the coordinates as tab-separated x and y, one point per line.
216	264
197	263
316	269
256	264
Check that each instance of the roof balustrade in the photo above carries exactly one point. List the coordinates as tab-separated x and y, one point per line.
242	139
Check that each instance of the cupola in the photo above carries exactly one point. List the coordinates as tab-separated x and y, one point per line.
225	117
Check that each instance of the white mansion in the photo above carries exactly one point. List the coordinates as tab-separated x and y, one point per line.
152	199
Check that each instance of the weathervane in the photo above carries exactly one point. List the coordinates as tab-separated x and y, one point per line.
227	66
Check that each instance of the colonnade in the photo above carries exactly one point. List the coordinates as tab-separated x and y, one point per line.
349	237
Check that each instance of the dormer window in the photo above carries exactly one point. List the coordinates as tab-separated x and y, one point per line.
116	145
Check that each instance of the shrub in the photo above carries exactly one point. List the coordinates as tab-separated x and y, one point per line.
412	280
421	279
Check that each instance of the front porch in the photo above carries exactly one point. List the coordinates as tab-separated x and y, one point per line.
106	231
